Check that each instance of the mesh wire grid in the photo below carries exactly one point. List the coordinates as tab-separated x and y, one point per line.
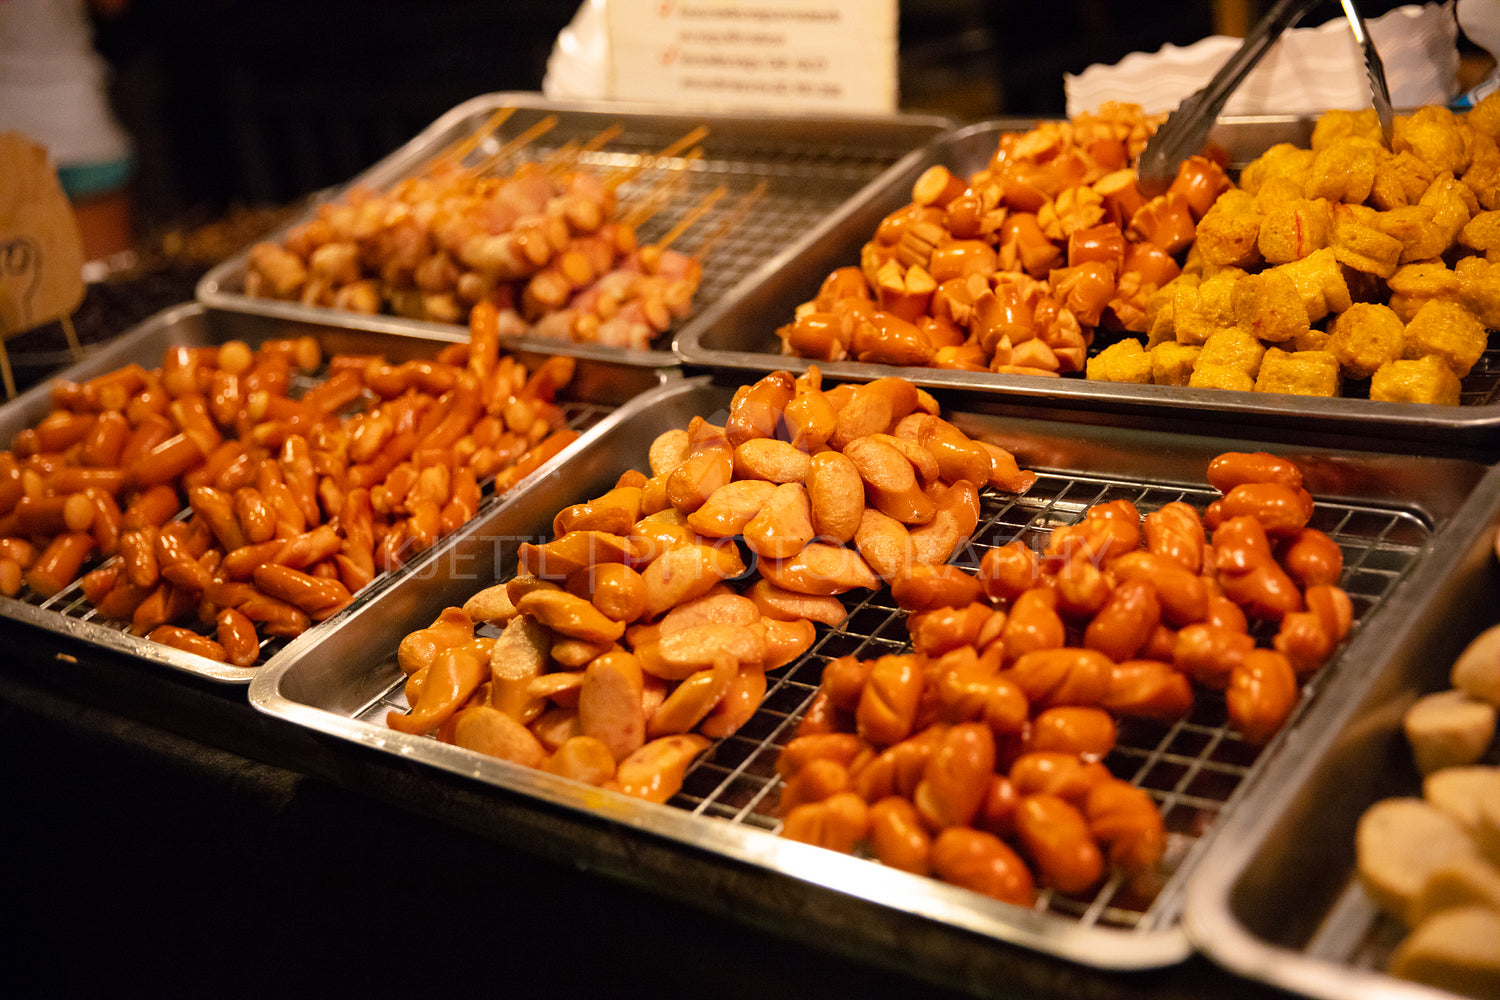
71	604
771	195
1191	767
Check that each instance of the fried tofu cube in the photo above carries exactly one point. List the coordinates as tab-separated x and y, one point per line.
1400	181
1172	363
1269	307
1160	322
1483	175
1366	336
1423	380
1233	348
1482	233
1200	312
1339	123
1345	170
1410	224
1228	231
1312	340
1453	205
1446	329
1432	135
1320	282
1220	377
1294	229
1357	244
1283	160
1123	361
1300	373
1484	117
1479	288
1414	284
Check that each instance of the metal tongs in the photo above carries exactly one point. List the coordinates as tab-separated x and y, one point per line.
1186	129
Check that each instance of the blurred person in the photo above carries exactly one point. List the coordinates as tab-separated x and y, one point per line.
53	91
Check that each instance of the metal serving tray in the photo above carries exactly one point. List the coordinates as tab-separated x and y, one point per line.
1277	897
597	388
811	164
740	333
1381	509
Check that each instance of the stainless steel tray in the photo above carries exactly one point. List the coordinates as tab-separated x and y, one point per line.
1276	897
1381	509
810	164
597	388
740	333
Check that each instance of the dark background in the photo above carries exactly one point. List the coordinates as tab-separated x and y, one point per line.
262	101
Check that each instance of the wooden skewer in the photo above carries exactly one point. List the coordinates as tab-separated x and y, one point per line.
456	152
517	144
734	218
649	204
696	213
626	173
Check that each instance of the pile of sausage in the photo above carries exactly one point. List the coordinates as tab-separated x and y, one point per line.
977	757
543	249
644	629
215	507
1013	268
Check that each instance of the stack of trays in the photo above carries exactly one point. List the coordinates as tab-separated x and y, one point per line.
1258	871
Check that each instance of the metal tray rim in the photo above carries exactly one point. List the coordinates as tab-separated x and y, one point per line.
1207	915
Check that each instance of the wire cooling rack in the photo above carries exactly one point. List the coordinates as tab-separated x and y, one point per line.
1191	767
69	604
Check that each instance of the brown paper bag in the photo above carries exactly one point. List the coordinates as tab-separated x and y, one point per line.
41	253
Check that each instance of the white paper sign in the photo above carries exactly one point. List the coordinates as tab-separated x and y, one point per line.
743	55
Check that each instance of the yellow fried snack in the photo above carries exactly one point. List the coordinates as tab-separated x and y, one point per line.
1410	225
1452	204
1479	288
1337	124
1345	170
1312	340
1125	361
1228	232
1172	363
1358	244
1320	282
1415	284
1202	311
1220	377
1432	134
1303	373
1400	181
1269	307
1482	233
1484	117
1293	229
1233	348
1283	161
1449	331
1483	175
1424	380
1366	336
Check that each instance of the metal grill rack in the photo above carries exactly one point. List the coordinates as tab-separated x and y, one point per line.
1191	767
803	171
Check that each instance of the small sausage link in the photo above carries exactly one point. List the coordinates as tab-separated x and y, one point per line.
236	634
188	641
1055	835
